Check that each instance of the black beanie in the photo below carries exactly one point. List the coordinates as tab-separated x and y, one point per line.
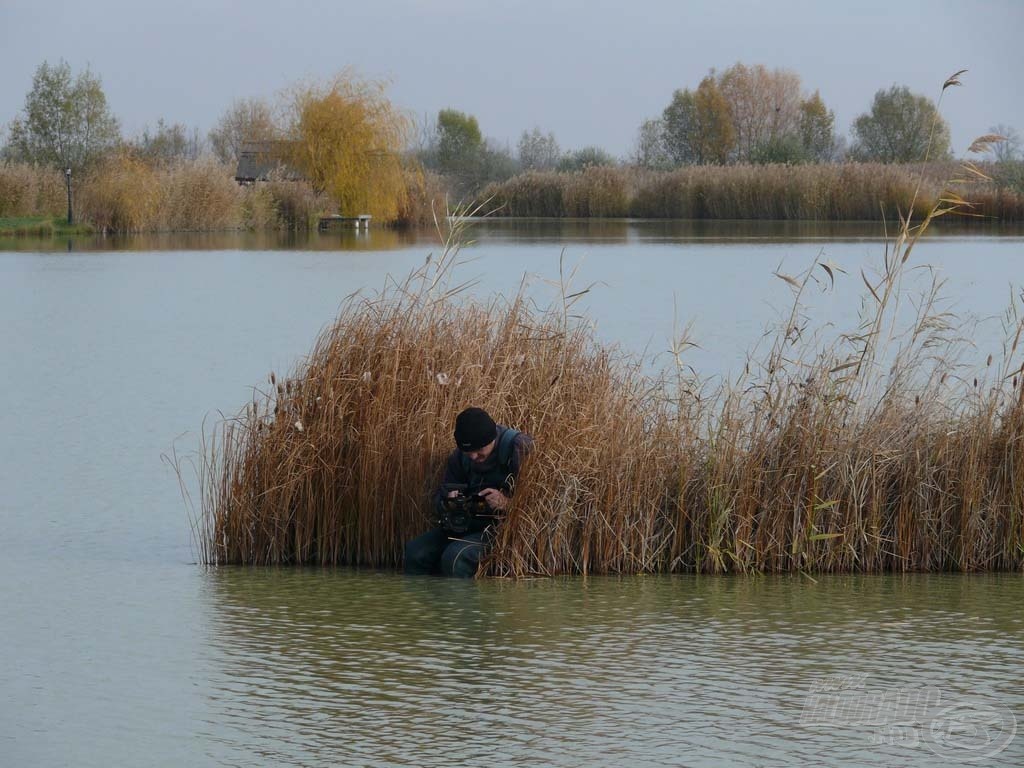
474	429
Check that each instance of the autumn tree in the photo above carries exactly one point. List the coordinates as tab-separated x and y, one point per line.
715	136
246	120
345	137
764	106
538	150
899	127
817	129
697	125
66	122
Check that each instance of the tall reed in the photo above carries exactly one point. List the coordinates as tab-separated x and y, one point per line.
874	450
29	190
833	192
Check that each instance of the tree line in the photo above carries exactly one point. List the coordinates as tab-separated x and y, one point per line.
350	142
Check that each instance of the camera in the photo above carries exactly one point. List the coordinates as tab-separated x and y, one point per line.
458	512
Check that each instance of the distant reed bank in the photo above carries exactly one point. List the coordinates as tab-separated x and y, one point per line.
824	192
126	194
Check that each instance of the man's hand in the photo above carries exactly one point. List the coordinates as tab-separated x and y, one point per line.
495	499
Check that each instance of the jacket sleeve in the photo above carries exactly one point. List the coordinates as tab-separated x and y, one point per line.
453	473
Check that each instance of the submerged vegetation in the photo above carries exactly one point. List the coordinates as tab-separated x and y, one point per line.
877	449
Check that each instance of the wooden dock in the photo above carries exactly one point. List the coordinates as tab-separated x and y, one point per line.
328	223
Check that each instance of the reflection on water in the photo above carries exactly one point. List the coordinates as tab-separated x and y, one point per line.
379	239
539	231
377	669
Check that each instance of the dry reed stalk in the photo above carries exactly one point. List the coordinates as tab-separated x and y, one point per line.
29	190
122	194
834	192
199	195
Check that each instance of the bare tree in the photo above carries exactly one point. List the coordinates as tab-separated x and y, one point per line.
765	105
245	120
538	151
649	150
1007	150
169	142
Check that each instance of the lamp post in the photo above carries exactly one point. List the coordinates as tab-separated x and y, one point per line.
67	175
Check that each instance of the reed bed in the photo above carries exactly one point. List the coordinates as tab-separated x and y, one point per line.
28	190
126	193
831	192
877	449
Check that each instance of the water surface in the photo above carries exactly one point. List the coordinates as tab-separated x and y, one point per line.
120	650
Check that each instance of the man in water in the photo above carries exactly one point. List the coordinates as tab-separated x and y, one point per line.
479	481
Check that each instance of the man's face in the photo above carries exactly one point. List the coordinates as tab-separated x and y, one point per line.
481	454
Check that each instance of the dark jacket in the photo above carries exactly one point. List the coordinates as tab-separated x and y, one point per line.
491	473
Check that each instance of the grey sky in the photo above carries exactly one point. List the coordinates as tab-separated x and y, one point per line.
589	71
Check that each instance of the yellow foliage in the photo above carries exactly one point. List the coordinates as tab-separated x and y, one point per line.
346	139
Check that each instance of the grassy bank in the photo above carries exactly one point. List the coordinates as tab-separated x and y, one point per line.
41	226
877	449
832	192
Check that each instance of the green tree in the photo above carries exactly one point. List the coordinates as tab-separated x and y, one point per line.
898	127
785	149
459	142
679	126
817	129
246	120
587	157
66	121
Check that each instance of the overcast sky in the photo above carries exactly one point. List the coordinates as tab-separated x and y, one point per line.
591	72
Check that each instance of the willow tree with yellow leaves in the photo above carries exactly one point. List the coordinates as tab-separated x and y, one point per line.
346	139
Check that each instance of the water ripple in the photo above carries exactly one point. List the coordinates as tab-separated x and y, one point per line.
380	670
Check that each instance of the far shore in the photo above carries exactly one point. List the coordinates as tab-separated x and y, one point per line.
203	196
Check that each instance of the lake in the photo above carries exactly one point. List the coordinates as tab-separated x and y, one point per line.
120	650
